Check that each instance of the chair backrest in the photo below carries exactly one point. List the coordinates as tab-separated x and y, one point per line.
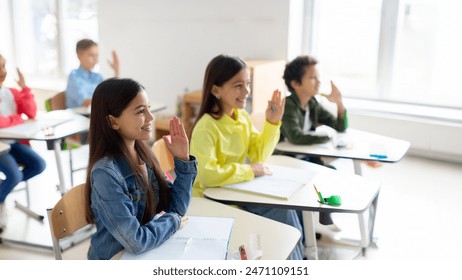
67	216
163	155
57	102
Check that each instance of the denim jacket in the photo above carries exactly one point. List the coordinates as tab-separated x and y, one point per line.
118	206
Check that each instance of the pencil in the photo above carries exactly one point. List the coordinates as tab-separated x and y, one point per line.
317	193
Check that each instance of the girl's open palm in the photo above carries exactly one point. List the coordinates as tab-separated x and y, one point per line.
275	108
177	142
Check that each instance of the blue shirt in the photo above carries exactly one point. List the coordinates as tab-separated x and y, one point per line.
118	206
80	86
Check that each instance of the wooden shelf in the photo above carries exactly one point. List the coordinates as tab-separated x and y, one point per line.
191	102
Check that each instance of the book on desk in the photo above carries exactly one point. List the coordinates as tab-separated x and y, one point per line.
282	183
202	238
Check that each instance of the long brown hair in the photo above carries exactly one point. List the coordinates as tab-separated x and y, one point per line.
111	97
220	69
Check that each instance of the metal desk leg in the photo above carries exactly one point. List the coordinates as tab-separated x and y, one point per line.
310	235
57	149
364	243
367	233
357	167
372	214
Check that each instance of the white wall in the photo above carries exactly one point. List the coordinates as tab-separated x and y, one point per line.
166	45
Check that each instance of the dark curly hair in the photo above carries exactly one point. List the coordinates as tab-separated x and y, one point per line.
295	69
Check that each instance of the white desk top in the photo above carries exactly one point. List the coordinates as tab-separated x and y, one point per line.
277	240
361	145
357	193
35	129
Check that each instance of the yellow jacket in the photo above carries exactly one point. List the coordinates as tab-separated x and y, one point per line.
223	146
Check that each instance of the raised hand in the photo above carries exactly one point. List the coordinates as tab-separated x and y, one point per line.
177	142
115	63
21	81
336	97
275	108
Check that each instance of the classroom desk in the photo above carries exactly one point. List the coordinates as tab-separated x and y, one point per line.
277	240
75	124
85	111
358	195
34	130
361	145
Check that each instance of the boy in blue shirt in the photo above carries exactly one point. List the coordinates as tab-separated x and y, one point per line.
83	80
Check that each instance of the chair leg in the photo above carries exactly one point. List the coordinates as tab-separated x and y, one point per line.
71	168
56	246
26	208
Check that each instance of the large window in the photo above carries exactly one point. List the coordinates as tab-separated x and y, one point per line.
393	50
39	36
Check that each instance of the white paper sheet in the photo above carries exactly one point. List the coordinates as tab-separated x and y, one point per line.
281	184
203	238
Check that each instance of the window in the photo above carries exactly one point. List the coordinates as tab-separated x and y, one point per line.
41	35
405	51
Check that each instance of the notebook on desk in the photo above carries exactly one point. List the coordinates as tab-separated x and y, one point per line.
282	183
202	238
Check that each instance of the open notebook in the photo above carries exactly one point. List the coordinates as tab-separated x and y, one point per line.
281	184
203	238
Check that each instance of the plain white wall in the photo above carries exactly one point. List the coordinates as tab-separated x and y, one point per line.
166	45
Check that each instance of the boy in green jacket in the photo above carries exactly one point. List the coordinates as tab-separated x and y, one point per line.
303	113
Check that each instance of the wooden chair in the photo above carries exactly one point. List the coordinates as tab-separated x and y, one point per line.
164	157
56	102
67	218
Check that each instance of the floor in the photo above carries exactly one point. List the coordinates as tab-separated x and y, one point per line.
417	218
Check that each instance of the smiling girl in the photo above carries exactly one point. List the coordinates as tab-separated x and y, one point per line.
125	186
228	147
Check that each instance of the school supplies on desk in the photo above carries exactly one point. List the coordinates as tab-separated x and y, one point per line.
282	183
202	238
334	200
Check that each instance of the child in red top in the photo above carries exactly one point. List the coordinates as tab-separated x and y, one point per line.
14	103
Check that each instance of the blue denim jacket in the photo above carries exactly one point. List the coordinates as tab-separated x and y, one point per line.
118	207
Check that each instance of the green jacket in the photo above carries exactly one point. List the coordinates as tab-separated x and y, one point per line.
294	119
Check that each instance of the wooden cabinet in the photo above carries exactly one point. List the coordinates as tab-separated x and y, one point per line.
190	107
162	127
265	77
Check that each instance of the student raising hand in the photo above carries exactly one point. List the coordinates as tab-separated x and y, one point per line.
336	97
21	81
275	108
115	65
177	142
